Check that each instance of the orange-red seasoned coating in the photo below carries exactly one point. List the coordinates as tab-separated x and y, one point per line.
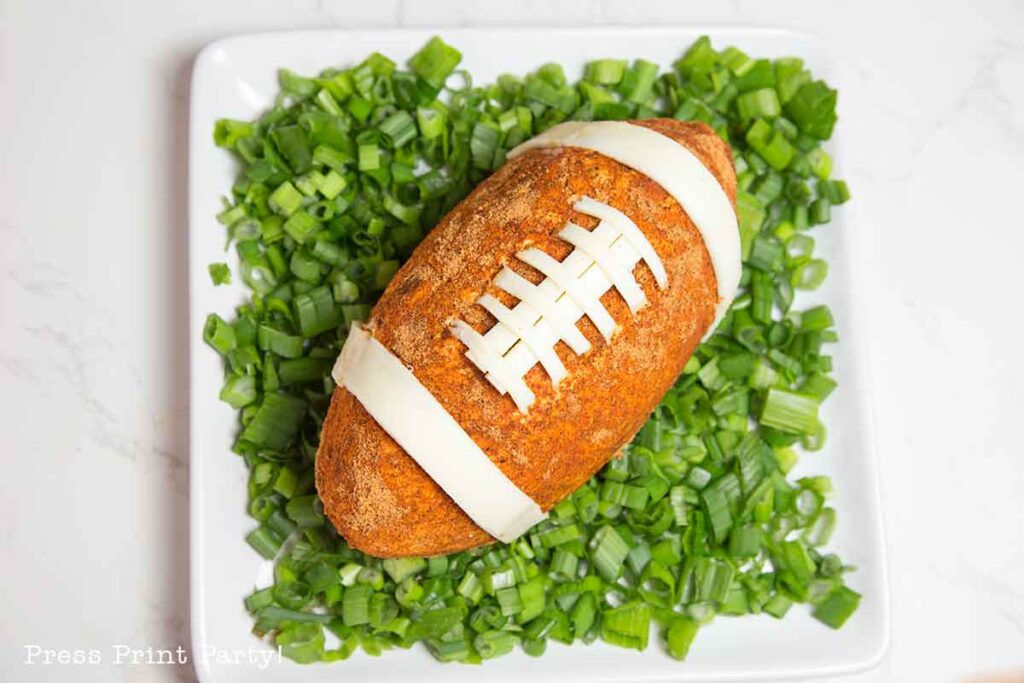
374	493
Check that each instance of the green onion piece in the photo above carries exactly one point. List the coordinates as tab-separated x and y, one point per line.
770	144
304	370
790	412
778	606
259	599
716	506
608	553
838	607
535	648
482	145
813	109
435	623
316	312
355	605
531	595
294	84
432	122
820	163
550	538
239	392
293	144
819	533
400	568
751	216
332	184
491	644
276	421
790	75
349	573
639	81
220	274
301	225
305	511
435	62
399	127
809	275
273	616
763	103
745	541
509	601
228	132
369	157
278	342
219	334
627	625
680	636
605	71
265	541
335	159
818	385
584	614
471	587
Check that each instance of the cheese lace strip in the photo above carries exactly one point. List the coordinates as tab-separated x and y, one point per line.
526	334
410	414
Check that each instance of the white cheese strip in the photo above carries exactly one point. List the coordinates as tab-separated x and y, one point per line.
630	231
534	301
543	346
581	295
482	355
598	250
411	415
679	172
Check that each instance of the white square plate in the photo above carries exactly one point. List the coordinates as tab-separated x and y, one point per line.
236	78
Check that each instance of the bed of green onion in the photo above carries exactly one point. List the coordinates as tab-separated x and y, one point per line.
339	182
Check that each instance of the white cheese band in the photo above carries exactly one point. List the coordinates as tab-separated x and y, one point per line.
410	414
679	172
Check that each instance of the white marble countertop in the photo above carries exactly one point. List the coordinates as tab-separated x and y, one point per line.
93	304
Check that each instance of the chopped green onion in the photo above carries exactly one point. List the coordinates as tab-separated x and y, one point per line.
627	626
609	552
220	274
265	541
399	569
228	132
219	334
813	109
356	605
276	422
763	103
790	412
837	607
239	392
809	275
278	342
490	644
435	62
605	71
399	127
317	312
680	636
